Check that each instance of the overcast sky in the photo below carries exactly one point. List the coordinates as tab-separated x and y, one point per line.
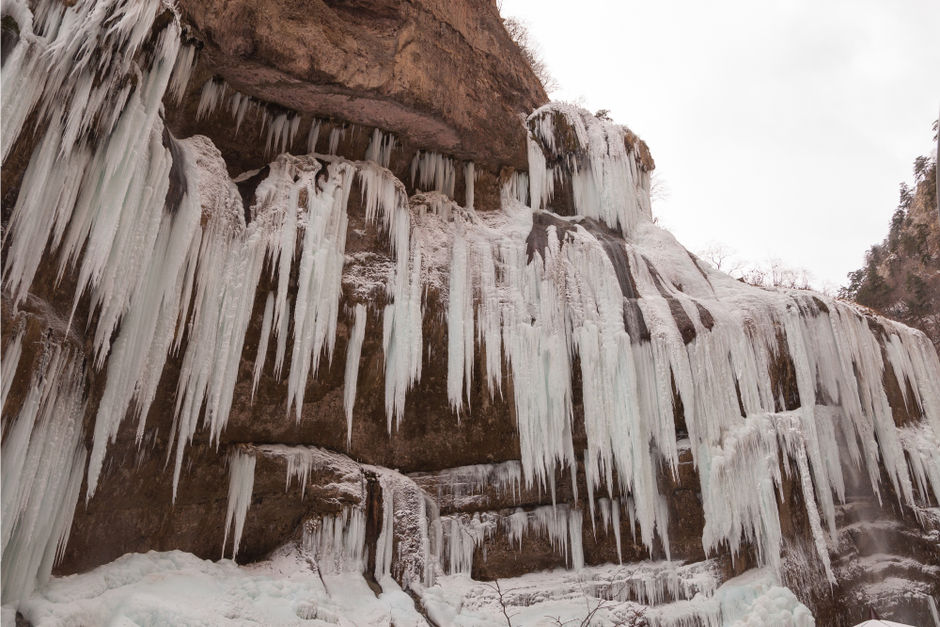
781	128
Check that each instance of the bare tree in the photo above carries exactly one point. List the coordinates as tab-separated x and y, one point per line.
721	256
775	273
519	33
659	187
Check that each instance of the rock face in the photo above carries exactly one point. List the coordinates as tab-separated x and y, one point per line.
899	276
312	275
443	76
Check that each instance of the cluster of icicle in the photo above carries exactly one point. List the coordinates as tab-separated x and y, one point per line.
43	464
619	296
410	536
281	126
155	233
160	274
94	191
427	543
568	144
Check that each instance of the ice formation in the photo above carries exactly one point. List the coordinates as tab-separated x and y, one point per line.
455	488
336	135
409	541
597	158
337	541
560	524
241	484
43	460
380	148
431	171
11	359
353	351
158	240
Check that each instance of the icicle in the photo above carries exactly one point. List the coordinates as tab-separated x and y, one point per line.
319	280
337	541
336	135
431	171
43	460
241	483
408	518
72	64
281	132
468	177
209	98
11	359
182	70
353	352
459	325
380	148
464	534
313	135
642	319
262	342
103	206
606	181
383	550
68	185
615	523
283	329
239	106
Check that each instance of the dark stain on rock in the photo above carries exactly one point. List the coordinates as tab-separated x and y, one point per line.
322	175
678	409
248	187
614	248
903	402
705	316
537	240
683	321
695	262
783	376
616	252
374	517
178	184
9	37
820	304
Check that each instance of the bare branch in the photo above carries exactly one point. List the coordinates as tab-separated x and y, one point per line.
502	600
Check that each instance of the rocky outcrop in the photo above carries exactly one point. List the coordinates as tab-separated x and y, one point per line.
441	76
900	276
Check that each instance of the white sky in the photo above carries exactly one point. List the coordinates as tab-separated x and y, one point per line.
781	128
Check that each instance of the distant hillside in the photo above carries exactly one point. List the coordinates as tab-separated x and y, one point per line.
901	275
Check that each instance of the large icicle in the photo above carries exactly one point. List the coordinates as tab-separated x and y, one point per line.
11	359
353	352
266	320
241	483
43	466
431	171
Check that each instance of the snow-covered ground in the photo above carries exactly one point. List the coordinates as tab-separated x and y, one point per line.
177	588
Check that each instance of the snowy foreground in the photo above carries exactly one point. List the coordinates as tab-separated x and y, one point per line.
177	588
